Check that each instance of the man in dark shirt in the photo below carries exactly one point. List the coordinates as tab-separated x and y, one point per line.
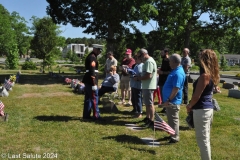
90	80
164	71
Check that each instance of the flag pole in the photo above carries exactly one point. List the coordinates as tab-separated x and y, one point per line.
153	135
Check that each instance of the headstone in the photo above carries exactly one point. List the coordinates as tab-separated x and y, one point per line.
109	106
234	93
235	83
228	86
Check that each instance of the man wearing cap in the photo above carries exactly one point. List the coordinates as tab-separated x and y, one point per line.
90	80
127	62
111	61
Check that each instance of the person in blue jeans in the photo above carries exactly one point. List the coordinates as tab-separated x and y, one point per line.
136	87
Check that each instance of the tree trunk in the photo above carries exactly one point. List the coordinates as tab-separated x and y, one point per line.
187	35
110	39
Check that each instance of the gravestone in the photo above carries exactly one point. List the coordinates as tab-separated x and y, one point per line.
109	105
228	86
235	93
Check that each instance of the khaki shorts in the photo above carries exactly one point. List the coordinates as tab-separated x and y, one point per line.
125	83
148	96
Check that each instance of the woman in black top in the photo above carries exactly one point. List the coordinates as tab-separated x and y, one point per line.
201	102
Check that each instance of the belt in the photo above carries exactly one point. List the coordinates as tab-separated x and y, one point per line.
94	70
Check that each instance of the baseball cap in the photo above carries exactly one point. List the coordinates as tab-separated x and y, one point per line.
129	51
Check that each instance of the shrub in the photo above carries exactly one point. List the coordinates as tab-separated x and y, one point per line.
29	65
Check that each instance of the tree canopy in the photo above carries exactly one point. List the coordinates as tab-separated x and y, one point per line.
106	19
45	40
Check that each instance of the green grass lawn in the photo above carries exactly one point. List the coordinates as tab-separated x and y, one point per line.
46	120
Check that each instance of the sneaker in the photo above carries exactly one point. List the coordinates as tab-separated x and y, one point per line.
145	120
172	141
129	103
121	102
138	115
149	124
167	138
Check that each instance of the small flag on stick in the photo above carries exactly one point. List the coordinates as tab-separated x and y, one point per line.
159	123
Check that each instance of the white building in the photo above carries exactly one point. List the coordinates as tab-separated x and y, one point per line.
78	49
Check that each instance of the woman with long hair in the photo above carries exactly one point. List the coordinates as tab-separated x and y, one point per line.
201	102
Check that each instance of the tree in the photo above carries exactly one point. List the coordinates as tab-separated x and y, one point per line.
224	64
22	34
45	40
107	19
178	20
12	57
6	32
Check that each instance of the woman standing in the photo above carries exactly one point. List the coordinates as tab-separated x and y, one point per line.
201	102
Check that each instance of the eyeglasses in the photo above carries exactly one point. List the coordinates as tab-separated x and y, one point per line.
140	55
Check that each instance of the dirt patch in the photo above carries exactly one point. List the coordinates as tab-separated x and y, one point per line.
55	94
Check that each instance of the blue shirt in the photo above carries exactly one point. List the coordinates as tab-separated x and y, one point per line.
111	81
138	70
175	79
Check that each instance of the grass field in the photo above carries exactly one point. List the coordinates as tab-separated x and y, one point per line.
46	122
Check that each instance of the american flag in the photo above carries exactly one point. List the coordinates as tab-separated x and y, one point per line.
159	123
1	108
7	84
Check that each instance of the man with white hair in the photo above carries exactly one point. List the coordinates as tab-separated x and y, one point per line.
172	94
186	64
149	80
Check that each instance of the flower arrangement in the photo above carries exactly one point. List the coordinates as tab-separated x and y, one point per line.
12	78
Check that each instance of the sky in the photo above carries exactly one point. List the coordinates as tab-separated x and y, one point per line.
29	8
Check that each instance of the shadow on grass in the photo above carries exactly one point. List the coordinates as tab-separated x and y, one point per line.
56	118
130	139
126	139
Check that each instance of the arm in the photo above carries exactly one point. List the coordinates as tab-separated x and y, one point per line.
148	74
172	95
93	61
203	81
187	64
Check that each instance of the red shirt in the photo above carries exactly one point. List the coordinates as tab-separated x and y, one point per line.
129	62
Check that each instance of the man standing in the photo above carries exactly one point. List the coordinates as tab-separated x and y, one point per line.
90	80
127	62
164	72
172	94
186	64
111	61
149	80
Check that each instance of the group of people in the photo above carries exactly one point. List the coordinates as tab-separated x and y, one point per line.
138	81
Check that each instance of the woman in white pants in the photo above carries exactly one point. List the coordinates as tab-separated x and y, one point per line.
201	102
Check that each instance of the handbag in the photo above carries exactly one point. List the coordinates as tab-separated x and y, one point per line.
216	106
189	120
